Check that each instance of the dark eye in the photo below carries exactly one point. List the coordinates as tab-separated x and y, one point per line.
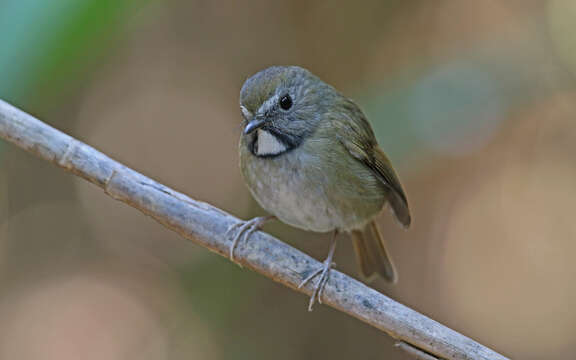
286	102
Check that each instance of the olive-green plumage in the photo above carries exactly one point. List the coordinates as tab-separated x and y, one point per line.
310	157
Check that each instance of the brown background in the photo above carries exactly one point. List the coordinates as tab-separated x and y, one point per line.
475	101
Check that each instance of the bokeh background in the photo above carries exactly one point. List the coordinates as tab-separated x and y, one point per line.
474	101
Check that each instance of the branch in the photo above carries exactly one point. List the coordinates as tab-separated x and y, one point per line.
206	225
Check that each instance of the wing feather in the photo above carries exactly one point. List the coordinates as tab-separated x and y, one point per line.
358	138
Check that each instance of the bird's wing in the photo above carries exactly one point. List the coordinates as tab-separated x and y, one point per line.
358	138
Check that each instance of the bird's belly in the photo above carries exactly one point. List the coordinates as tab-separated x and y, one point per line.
304	196
296	204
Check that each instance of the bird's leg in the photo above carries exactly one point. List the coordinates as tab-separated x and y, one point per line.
324	273
246	228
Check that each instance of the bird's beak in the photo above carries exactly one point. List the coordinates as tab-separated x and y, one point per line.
254	124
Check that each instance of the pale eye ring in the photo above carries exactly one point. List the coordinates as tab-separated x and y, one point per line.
285	102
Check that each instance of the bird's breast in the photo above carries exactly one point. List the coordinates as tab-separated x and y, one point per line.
306	190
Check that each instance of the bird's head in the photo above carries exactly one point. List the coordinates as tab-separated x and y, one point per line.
282	106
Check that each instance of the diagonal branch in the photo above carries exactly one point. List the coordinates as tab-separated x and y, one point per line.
206	225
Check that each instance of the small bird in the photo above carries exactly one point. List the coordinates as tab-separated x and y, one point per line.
310	159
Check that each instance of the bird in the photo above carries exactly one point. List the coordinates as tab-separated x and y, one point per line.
310	158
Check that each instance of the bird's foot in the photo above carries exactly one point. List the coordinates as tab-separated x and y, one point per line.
245	229
324	273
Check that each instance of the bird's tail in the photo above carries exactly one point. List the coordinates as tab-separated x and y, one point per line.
371	253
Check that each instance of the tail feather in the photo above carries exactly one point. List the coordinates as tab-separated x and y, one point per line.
371	253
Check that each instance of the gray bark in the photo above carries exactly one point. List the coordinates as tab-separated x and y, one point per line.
206	225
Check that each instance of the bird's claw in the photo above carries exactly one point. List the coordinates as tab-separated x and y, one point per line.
245	230
324	273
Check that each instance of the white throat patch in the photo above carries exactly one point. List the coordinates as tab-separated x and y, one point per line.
268	144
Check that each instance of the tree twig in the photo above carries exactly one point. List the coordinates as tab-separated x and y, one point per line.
206	225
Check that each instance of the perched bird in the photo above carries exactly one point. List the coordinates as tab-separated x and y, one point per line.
310	159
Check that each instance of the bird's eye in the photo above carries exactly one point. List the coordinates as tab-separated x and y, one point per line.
286	102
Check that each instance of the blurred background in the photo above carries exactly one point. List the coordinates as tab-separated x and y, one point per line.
474	101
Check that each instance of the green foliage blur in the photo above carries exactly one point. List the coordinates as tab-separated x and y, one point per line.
46	44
